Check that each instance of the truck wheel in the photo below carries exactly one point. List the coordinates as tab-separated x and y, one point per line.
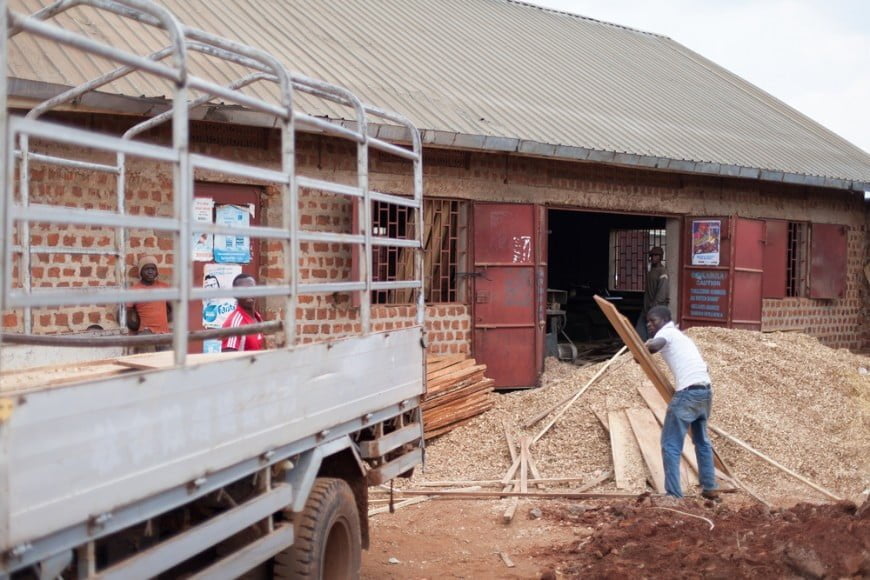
327	543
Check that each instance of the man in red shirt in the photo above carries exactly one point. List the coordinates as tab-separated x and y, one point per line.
149	317
244	314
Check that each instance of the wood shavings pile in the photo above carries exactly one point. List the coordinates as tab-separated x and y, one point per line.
804	405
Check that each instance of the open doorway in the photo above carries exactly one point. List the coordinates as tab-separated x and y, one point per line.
606	254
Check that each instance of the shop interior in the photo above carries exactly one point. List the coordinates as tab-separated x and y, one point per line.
593	253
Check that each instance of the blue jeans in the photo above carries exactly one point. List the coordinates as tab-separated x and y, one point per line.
688	409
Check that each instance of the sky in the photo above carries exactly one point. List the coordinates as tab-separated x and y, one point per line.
812	54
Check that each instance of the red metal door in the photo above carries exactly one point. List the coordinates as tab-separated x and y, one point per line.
509	292
722	272
748	249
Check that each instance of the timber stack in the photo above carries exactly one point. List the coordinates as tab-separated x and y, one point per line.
456	392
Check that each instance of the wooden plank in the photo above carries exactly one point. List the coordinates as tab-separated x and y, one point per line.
536	475
437	417
436	363
56	376
659	408
465	391
648	435
448	493
524	464
627	460
776	464
629	336
508	515
451	370
497	482
506	559
631	339
166	359
454	377
509	439
576	396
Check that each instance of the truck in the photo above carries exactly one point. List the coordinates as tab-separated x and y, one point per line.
179	463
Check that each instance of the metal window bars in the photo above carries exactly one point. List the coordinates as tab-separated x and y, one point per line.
260	67
629	257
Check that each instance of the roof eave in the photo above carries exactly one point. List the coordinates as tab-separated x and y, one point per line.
27	92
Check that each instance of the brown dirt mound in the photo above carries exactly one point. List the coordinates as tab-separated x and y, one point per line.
639	540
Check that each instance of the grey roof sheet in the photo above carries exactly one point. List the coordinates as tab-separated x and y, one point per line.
512	74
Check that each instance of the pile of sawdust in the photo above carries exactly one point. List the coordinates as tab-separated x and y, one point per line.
804	405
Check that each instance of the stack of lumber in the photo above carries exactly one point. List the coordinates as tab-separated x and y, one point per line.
456	392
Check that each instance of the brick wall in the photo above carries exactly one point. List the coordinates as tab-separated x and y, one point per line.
451	174
448	328
839	323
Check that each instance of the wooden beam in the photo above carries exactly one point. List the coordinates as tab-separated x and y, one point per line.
537	418
776	464
498	483
450	493
577	395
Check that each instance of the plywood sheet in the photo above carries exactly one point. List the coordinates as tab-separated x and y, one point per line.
628	470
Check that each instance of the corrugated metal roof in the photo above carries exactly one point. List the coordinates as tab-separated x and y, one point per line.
495	74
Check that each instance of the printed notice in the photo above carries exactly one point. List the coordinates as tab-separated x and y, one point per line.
708	294
706	242
203	243
232	249
216	310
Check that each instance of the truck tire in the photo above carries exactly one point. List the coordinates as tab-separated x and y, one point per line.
327	536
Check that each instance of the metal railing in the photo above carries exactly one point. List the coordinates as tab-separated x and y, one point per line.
173	62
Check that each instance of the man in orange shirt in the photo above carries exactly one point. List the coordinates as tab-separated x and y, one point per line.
149	317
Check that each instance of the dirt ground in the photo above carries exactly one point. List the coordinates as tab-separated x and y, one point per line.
641	538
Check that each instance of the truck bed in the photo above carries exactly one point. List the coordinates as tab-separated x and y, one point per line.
81	450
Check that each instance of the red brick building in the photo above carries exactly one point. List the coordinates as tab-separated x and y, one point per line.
553	161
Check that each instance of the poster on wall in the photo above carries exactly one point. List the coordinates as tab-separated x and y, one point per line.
706	240
216	310
203	243
232	249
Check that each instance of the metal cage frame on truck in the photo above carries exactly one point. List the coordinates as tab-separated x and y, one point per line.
82	462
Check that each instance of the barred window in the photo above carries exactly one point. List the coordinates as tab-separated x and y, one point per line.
629	251
444	241
796	260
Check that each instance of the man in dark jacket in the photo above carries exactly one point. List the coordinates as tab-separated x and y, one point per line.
657	288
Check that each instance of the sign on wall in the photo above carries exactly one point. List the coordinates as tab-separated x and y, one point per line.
708	294
216	310
706	242
232	249
203	243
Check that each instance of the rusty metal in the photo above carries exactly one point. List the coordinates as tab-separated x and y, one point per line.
507	335
747	269
828	266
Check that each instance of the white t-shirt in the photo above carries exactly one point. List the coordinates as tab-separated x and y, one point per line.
682	357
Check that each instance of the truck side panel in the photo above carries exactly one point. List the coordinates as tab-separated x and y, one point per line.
135	436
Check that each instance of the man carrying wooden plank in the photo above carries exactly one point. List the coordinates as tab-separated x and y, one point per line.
690	406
